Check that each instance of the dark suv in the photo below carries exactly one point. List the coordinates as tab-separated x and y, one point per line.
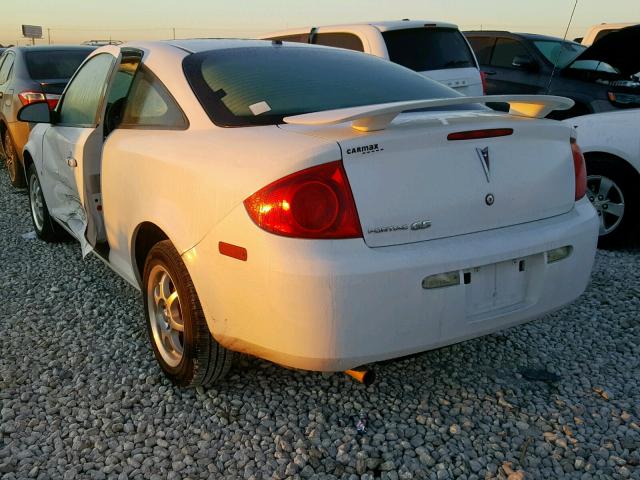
600	78
28	75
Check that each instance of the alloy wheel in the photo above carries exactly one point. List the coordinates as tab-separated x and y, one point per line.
608	200
165	313
37	202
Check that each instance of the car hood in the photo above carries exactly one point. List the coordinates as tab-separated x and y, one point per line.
617	49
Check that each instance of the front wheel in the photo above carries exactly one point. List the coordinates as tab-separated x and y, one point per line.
611	190
183	346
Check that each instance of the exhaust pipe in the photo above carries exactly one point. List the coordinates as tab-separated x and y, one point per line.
362	375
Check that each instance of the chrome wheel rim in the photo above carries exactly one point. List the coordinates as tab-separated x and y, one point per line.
608	200
37	202
9	157
165	316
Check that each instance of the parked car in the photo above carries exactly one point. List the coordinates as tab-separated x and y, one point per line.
599	78
27	75
598	32
437	50
267	205
612	150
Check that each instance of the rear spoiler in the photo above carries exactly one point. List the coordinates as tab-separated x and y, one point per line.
368	118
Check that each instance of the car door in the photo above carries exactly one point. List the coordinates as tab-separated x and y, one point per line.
505	76
72	147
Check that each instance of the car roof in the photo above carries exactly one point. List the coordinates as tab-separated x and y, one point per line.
528	36
196	45
45	48
403	24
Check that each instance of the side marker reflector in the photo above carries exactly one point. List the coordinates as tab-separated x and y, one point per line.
232	251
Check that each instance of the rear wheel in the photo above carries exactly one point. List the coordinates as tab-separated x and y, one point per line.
43	224
611	190
183	346
12	161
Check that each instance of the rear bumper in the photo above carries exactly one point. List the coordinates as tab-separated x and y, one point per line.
335	305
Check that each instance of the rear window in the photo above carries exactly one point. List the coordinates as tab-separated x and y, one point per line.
261	85
423	49
340	40
54	64
483	47
298	38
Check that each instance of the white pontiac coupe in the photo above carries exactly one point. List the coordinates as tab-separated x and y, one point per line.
273	198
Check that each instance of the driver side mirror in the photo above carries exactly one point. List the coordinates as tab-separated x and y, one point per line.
525	62
36	113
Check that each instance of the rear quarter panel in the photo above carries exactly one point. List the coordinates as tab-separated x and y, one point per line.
185	182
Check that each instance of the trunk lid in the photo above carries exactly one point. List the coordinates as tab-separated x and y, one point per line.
411	184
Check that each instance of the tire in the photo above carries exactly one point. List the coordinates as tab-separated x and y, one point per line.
46	229
611	182
12	161
189	357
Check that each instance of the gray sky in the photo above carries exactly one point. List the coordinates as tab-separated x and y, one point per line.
78	20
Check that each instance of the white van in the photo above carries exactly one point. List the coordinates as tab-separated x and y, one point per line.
435	49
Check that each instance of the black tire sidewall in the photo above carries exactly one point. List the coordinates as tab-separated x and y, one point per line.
627	183
164	254
47	232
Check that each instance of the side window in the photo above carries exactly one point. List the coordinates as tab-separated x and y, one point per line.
505	51
5	69
340	40
298	38
150	105
84	94
482	47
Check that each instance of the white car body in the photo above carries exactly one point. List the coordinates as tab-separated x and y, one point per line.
611	146
598	31
331	305
467	81
612	133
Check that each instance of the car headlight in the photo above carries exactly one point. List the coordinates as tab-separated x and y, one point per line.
624	98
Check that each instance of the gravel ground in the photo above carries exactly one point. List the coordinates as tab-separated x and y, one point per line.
82	397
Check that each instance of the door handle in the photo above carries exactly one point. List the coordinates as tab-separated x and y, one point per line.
72	162
490	72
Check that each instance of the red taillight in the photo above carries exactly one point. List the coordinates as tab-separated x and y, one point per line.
312	203
29	97
477	134
580	170
483	77
52	100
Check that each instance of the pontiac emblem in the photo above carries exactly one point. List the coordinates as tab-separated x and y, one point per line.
483	155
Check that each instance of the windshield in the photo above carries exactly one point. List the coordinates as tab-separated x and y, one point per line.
261	85
559	53
54	64
424	49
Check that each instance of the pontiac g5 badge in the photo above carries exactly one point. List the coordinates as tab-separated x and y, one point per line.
483	155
